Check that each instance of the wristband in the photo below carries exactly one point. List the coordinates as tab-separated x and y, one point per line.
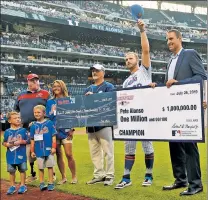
142	30
54	145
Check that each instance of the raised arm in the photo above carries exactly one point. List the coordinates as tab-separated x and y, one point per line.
144	44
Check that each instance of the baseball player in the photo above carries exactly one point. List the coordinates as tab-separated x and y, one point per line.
140	76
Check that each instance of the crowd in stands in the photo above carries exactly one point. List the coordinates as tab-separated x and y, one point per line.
97	7
60	45
7	70
7	103
68	12
124	12
14	88
159	29
187	19
63	13
23	58
69	46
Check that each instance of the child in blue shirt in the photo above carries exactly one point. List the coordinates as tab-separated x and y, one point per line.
15	139
43	145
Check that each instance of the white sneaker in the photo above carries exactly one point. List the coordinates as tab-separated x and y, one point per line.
108	181
147	181
61	182
122	185
96	180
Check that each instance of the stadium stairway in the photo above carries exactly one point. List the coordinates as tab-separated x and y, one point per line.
197	16
166	16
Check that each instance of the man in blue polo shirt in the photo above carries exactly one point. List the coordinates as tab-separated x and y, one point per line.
100	138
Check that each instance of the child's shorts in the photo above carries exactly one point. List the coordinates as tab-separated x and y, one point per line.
21	167
46	161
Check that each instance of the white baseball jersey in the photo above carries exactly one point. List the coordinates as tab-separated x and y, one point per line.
139	78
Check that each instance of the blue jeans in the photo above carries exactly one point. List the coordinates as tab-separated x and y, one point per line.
11	168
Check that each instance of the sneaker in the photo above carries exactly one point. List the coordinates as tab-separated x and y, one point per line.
75	181
123	184
11	190
147	180
51	187
42	186
95	180
108	181
22	189
30	179
54	177
61	182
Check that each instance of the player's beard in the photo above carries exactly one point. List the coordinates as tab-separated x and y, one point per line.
131	66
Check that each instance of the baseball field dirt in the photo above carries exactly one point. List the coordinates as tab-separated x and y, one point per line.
34	193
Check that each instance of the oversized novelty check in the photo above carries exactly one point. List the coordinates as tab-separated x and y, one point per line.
165	114
93	110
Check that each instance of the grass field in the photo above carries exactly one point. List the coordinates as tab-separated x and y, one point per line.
162	174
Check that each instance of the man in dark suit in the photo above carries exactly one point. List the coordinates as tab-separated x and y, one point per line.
185	65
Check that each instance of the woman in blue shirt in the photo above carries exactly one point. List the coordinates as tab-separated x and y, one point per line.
64	136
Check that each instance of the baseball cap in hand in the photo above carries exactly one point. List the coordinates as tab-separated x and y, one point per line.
137	11
98	67
31	76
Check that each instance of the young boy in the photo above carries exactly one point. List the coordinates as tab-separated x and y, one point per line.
43	145
15	139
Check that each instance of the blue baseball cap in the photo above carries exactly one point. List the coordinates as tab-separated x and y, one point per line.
136	11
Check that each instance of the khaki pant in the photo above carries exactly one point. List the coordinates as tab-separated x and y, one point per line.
101	146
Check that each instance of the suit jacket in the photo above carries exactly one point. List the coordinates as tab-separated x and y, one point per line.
189	67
